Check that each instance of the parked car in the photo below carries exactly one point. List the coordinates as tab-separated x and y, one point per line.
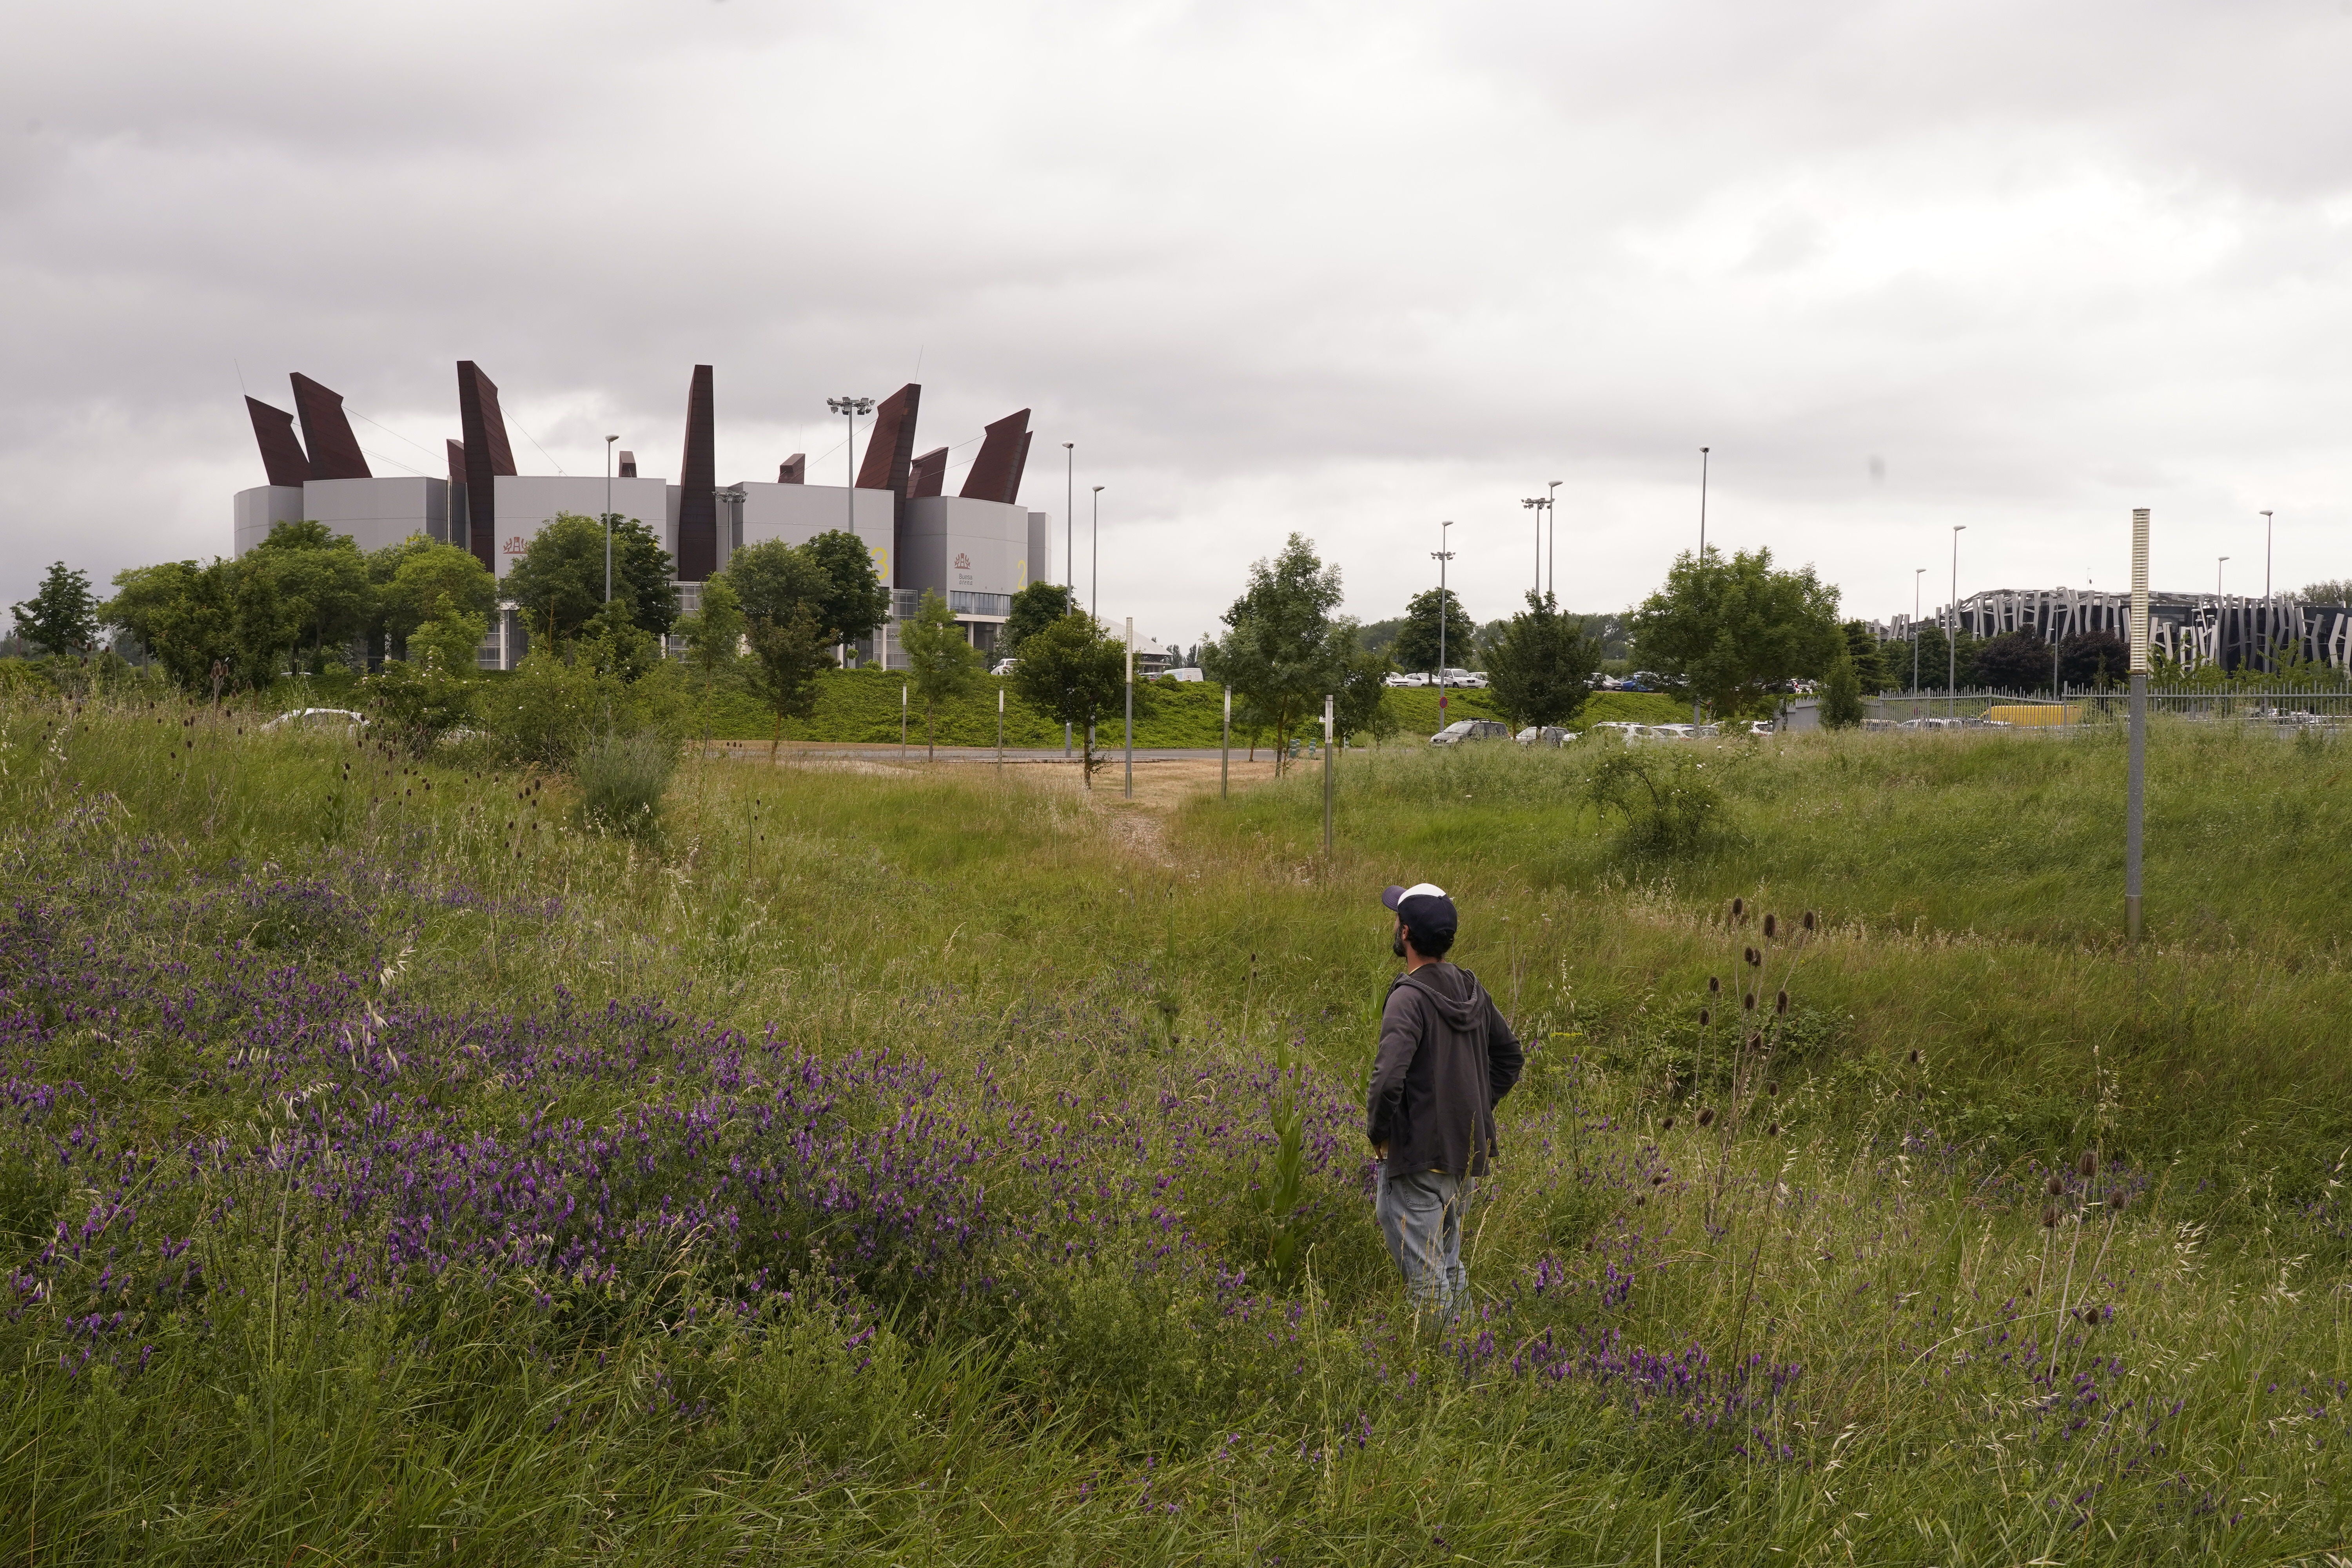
1404	677
1762	727
1469	680
1674	733
317	718
1544	735
1187	673
1002	666
1621	730
1462	729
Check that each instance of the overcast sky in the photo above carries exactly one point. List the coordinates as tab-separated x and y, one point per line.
1346	270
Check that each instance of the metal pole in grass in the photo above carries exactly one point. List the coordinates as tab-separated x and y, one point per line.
1000	728
902	725
1131	707
1326	780
1225	751
1952	639
2135	798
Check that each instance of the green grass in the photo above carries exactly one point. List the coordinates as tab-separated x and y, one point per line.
1033	1403
863	706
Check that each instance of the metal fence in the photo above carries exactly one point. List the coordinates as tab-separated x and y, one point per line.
2285	707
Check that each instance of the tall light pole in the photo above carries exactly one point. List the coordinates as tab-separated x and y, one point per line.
1551	535
1702	505
1094	591
850	408
2269	661
2218	564
1952	639
1443	555
2136	771
1070	545
608	517
1539	505
1918	574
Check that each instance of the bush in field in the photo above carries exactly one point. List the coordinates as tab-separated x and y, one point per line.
555	704
1842	696
622	778
1666	805
415	704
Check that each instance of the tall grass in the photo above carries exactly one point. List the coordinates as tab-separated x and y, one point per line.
878	1169
622	781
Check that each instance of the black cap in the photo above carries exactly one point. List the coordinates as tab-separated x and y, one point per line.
1424	907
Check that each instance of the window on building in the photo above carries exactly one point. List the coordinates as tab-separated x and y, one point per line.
964	604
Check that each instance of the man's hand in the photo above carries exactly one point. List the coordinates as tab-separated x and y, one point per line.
1380	1151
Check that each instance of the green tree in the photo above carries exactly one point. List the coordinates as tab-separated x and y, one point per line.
1363	705
786	657
1870	671
559	578
313	583
1070	671
714	633
421	582
853	599
61	617
1034	608
1842	694
1283	652
941	658
1542	664
1730	626
772	579
1937	667
1416	646
2013	661
183	614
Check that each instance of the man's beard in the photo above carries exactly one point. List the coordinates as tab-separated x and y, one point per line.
1396	944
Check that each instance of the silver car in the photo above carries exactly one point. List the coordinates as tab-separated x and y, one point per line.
1462	729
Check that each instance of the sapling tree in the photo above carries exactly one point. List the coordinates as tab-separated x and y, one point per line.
62	617
941	658
1072	672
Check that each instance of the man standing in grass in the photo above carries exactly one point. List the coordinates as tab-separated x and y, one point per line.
1446	1056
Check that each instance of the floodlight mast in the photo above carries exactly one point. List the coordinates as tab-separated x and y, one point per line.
1443	555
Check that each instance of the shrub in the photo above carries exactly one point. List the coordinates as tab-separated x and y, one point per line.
622	778
1667	807
415	704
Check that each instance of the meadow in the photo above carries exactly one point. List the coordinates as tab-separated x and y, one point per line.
888	1166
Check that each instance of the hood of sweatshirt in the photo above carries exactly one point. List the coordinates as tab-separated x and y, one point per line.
1454	992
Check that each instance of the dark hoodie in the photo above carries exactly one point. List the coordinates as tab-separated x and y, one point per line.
1446	1056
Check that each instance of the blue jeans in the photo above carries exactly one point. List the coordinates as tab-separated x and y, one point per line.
1421	1216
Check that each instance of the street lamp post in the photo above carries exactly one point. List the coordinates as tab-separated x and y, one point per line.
850	408
1443	555
1702	505
1917	574
2218	564
1094	591
2269	636
1538	504
1551	537
1952	638
608	517
1069	544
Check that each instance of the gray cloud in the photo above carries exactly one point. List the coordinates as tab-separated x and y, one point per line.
1346	270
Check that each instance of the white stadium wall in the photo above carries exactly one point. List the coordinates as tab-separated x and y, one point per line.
528	502
257	510
1037	566
375	513
970	552
798	513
